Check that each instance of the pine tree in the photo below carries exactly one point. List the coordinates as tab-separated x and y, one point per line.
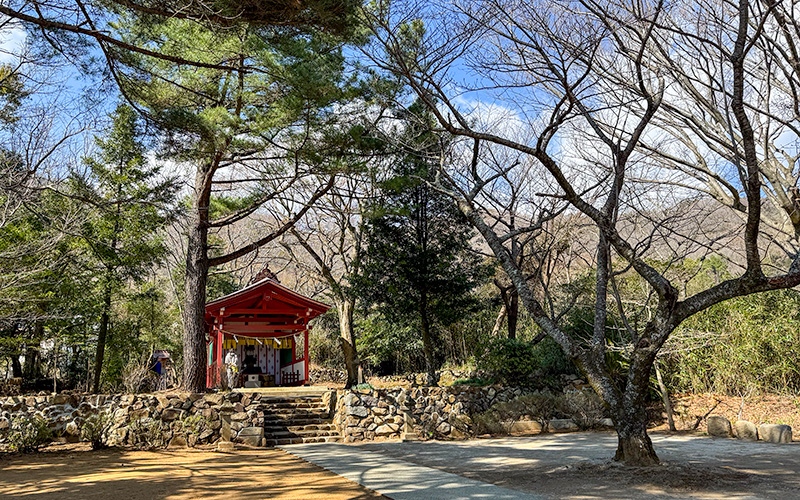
129	205
258	133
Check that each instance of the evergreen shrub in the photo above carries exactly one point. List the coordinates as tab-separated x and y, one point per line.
95	430
28	433
509	361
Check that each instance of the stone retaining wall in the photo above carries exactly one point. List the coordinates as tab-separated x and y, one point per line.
167	413
181	418
422	412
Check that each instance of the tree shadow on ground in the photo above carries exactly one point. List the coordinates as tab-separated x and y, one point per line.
180	474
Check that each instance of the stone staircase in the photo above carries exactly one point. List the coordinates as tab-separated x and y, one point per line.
296	419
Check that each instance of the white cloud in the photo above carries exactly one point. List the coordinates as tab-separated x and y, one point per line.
13	39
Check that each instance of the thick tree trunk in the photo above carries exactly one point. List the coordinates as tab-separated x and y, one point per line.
427	347
351	362
32	369
634	446
194	336
16	366
510	308
101	340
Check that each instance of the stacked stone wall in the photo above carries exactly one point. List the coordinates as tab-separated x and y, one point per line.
65	414
421	412
359	415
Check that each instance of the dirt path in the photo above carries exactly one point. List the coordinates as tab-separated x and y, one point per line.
173	475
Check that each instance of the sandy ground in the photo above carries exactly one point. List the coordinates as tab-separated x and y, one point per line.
174	475
578	466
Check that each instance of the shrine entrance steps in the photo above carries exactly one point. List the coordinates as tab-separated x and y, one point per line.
297	419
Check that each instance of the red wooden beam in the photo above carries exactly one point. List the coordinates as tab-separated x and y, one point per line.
262	328
290	301
278	318
276	310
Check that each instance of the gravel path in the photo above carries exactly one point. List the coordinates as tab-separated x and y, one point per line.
399	479
578	465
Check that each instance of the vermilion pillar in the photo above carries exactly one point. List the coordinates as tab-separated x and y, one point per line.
305	355
220	340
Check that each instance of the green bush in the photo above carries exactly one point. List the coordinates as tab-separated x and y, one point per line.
95	430
510	361
541	407
499	419
585	408
383	343
743	345
193	426
488	423
28	433
147	434
472	382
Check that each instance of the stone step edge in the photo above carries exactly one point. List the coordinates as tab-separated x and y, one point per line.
295	428
287	434
284	441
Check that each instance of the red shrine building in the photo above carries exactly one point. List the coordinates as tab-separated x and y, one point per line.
263	325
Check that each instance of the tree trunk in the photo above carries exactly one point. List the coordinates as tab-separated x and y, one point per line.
427	346
194	337
31	370
101	339
512	309
634	446
510	298
16	366
351	362
498	323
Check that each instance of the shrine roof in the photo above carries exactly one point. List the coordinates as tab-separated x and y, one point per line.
266	297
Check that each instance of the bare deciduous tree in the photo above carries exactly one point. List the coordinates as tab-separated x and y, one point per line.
330	243
586	81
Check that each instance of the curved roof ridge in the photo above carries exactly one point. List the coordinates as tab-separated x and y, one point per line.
244	292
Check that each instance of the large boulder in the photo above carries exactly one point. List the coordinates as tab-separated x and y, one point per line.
72	429
178	441
443	428
746	430
526	427
719	427
251	436
562	425
358	411
386	430
775	433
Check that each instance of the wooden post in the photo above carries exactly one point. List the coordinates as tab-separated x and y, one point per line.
220	341
305	354
212	346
